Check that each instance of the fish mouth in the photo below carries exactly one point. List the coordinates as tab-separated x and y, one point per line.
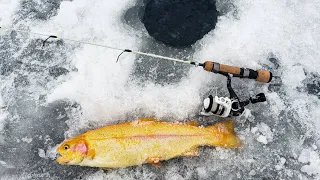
68	161
61	160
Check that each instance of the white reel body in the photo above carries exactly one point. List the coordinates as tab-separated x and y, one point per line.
225	106
217	106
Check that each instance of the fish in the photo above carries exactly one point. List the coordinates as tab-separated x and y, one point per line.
145	140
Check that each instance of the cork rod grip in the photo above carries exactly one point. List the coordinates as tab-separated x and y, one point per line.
258	75
230	69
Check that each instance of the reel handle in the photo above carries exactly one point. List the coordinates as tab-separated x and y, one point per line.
259	75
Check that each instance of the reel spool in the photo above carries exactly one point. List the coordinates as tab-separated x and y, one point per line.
217	106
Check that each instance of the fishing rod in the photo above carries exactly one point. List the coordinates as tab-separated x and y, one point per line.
213	106
214	67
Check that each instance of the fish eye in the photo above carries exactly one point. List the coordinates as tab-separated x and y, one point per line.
66	146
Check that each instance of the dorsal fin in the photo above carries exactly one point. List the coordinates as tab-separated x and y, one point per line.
148	119
144	121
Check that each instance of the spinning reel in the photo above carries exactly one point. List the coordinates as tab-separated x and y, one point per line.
228	106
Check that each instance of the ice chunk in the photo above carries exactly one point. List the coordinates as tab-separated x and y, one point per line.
202	172
294	77
26	140
3	163
50	153
276	103
265	130
254	130
304	156
262	139
314	147
252	173
6	165
281	164
41	153
311	157
263	133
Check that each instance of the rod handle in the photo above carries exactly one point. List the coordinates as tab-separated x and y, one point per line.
259	75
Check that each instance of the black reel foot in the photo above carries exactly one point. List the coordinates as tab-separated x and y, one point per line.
259	98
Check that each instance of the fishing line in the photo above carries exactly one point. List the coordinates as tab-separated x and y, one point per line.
258	75
100	45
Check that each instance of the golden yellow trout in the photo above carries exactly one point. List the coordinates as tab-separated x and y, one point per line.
142	141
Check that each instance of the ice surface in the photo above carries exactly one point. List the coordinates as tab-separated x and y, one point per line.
51	93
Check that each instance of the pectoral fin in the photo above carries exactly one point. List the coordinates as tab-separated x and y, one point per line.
192	152
91	154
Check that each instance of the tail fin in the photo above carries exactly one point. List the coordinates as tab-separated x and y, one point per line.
223	135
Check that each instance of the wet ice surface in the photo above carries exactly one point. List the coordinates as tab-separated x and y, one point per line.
65	88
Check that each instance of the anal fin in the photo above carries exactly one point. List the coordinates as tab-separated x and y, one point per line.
154	161
192	152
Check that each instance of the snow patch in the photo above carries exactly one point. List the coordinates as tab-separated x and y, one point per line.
262	133
50	153
298	73
67	16
281	164
262	139
7	8
6	165
312	158
252	173
42	153
26	140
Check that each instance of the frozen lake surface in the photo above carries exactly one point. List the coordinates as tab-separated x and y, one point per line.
64	89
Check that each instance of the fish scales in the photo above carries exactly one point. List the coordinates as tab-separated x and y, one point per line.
143	141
